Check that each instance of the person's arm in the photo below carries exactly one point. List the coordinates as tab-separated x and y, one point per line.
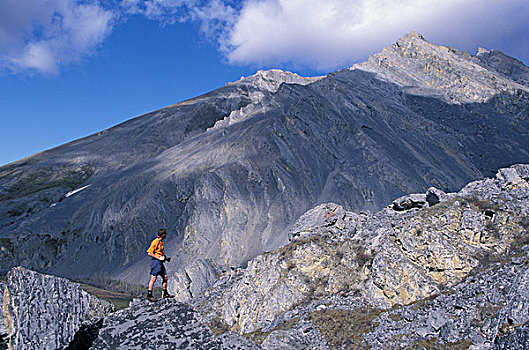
161	258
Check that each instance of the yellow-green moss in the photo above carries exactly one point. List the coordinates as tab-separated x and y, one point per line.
344	328
218	327
259	336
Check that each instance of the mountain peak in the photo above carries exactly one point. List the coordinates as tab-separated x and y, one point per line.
271	79
431	70
503	64
413	35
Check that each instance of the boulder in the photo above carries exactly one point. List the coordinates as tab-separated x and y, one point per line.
45	312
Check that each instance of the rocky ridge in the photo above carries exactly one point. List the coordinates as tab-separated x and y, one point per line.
263	84
445	72
438	268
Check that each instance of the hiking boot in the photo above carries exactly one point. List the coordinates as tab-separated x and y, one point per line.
150	297
167	295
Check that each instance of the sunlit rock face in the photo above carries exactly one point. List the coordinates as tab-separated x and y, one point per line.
45	312
455	271
426	69
228	173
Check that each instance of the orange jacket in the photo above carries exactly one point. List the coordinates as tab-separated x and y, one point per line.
156	248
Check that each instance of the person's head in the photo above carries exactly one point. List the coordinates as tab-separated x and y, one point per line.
162	233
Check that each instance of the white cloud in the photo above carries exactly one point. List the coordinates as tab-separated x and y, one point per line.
41	36
214	16
329	34
165	11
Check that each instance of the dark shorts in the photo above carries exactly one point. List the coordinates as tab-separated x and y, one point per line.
157	268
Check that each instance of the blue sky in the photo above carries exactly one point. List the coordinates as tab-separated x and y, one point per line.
71	68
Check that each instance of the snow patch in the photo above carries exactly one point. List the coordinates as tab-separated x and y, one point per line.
71	193
75	191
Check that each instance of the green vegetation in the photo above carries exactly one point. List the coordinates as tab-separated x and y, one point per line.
218	327
120	293
103	281
484	204
395	317
44	178
343	329
259	336
120	300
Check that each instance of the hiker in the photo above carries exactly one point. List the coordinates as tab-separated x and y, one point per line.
156	252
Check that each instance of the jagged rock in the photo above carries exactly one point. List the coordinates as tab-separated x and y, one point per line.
517	339
261	85
3	329
448	253
434	196
328	218
501	63
444	72
45	312
193	279
447	275
166	324
472	313
409	202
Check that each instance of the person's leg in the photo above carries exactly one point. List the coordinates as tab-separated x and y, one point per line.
164	287
164	283
151	283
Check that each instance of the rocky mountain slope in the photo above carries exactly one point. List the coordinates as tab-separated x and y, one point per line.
230	172
453	267
435	270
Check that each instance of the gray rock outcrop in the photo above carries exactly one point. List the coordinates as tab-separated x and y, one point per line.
45	312
450	273
193	280
444	72
166	324
3	328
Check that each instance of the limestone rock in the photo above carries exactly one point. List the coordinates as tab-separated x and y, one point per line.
450	274
3	328
146	325
449	253
45	312
474	314
409	202
193	279
166	324
435	196
445	72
